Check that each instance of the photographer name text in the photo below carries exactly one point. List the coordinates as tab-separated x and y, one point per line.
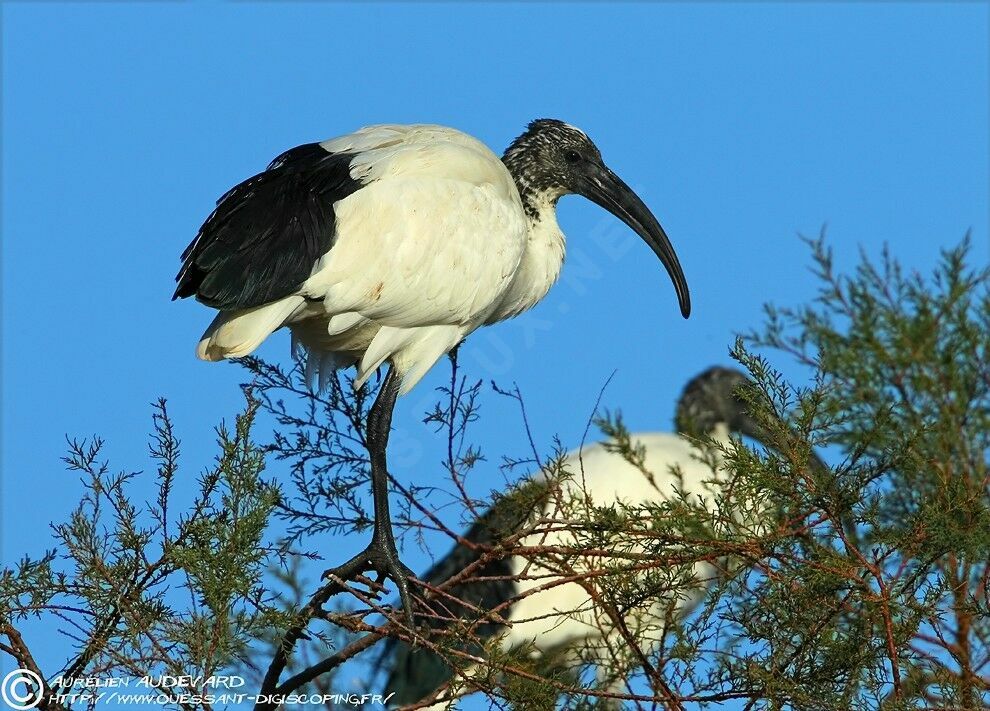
189	690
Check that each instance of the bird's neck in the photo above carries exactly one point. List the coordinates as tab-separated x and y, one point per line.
535	187
545	241
721	433
540	264
544	254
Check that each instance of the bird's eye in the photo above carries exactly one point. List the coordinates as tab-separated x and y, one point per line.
572	156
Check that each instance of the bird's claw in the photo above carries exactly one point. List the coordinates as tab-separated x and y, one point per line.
383	558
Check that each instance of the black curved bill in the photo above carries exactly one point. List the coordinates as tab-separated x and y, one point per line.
608	190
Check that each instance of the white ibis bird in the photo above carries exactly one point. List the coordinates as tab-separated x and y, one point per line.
391	245
560	617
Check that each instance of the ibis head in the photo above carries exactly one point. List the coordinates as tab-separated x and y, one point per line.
716	397
553	158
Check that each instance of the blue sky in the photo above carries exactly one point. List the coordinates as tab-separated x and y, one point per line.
741	125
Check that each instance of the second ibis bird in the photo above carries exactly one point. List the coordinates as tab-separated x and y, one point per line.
510	584
391	245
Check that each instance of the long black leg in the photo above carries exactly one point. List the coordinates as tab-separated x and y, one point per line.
383	541
382	555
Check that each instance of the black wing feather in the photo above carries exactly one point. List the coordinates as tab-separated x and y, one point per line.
266	234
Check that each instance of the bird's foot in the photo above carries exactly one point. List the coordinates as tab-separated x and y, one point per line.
383	558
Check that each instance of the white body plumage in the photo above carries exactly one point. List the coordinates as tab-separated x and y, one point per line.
604	478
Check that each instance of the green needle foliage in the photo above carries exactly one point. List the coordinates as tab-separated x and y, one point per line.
173	586
883	604
861	584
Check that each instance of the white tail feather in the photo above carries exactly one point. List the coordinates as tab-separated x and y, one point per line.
413	351
320	367
237	333
344	322
386	342
314	362
430	349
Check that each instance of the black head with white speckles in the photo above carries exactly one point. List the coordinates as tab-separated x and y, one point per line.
552	158
547	160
